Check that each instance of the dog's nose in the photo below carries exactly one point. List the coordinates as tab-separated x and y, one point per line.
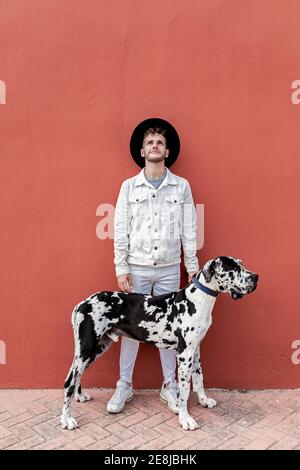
254	277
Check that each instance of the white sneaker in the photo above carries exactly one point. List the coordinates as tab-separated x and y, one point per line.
122	394
168	394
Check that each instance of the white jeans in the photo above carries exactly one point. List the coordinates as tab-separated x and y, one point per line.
155	281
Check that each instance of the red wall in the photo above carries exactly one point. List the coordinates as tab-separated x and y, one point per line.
79	76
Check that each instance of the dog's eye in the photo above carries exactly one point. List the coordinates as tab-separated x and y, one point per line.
237	269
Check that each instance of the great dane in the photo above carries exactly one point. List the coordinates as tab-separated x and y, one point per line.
178	320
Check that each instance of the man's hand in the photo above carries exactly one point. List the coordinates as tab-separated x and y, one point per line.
124	283
191	275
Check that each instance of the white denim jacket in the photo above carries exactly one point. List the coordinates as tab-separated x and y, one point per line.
150	223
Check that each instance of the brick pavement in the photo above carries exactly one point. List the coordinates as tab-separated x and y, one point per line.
29	419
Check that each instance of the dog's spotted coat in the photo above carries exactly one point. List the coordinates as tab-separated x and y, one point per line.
178	320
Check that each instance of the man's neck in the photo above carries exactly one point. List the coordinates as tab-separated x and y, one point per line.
154	171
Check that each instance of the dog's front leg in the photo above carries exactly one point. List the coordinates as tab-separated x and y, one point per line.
184	376
197	377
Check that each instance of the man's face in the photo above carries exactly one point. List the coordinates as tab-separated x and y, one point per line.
154	148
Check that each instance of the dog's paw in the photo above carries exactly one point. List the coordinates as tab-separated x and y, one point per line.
187	422
207	402
68	422
82	397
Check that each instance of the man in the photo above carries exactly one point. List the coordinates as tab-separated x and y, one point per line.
154	213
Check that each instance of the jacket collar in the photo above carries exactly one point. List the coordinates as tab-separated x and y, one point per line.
169	179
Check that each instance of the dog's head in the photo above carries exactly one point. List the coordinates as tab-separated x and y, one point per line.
231	276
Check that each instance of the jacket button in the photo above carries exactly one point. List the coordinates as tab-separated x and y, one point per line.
137	200
175	200
155	248
154	264
153	195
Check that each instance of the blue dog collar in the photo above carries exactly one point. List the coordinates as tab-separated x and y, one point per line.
205	289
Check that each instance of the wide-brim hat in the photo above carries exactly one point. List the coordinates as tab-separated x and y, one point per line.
172	138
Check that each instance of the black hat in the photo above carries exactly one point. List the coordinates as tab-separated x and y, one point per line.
172	138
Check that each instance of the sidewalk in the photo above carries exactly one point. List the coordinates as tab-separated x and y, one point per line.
29	419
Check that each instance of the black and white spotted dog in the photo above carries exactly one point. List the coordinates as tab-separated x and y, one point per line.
178	320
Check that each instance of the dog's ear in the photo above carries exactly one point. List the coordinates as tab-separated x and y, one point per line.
208	270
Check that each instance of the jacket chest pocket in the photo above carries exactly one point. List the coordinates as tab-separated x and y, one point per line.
138	203
174	206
